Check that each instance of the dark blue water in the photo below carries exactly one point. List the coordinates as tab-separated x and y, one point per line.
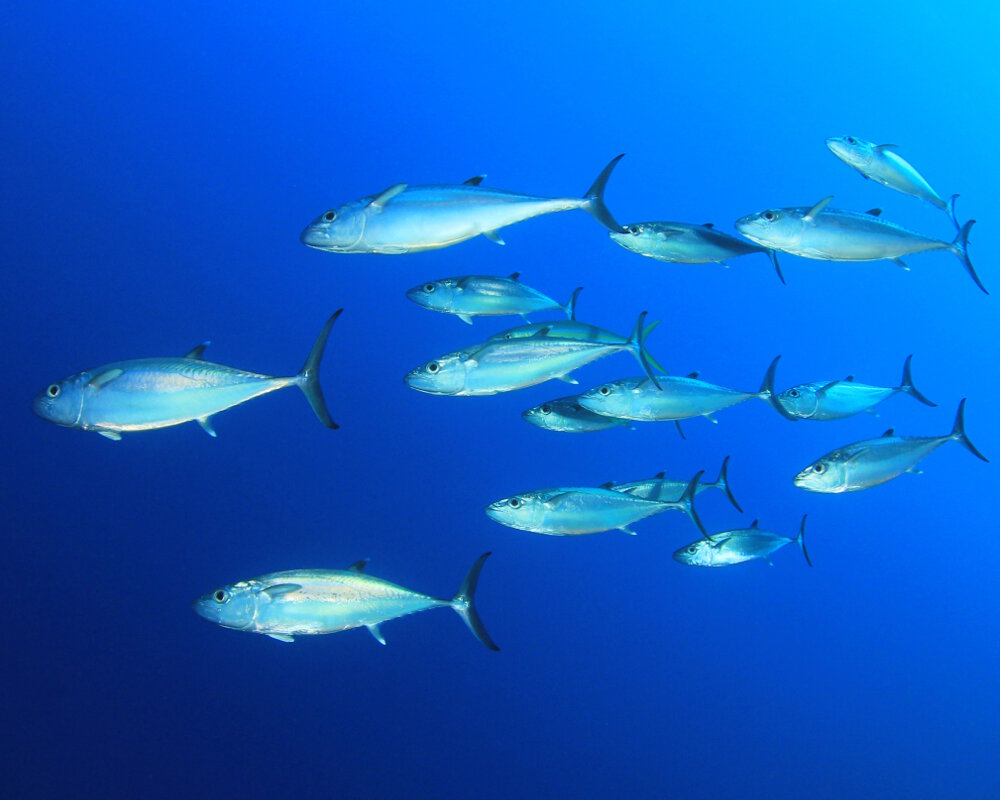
157	167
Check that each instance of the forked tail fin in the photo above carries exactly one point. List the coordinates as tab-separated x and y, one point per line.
308	377
801	539
570	307
464	603
722	482
960	247
637	344
594	198
769	393
958	432
908	387
686	503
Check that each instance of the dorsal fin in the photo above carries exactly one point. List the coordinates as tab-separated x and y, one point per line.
514	276
890	432
848	379
708	224
692	374
874	212
817	209
475	180
607	485
660	476
358	566
755	523
197	352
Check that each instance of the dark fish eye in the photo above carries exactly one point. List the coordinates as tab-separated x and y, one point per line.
769	216
634	229
819	469
433	367
546	409
851	140
221	596
793	392
692	549
514	502
330	216
605	391
53	390
428	287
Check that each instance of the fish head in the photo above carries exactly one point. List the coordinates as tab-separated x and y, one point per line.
774	228
437	295
547	415
828	475
696	554
638	237
611	399
523	511
444	375
62	402
799	401
851	150
337	230
232	606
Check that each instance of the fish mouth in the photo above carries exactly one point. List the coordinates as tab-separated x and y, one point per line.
315	238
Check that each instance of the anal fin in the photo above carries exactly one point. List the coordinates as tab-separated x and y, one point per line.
374	631
206	425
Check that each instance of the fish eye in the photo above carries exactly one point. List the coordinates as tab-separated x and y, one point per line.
605	391
793	392
53	390
513	502
820	468
221	596
769	216
851	140
428	287
634	229
507	336
433	367
330	216
546	409
692	549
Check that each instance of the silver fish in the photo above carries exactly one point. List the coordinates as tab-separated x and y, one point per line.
873	461
410	219
879	162
486	296
839	399
735	547
663	489
505	365
306	602
574	511
149	393
684	243
566	415
830	234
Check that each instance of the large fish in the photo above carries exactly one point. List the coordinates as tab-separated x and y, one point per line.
504	365
868	463
664	489
409	219
566	415
735	547
830	234
306	602
575	511
684	243
839	399
486	296
149	393
879	162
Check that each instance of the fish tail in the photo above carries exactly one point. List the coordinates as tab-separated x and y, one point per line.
464	603
773	255
768	392
686	503
801	539
960	247
722	482
308	377
908	387
594	198
656	364
950	209
637	344
570	307
958	432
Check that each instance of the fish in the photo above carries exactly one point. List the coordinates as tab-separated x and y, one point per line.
505	365
575	511
685	243
307	602
831	234
827	400
868	463
152	393
678	398
412	219
486	296
663	489
880	163
566	415
735	547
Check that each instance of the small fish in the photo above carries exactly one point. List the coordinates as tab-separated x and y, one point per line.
881	164
868	463
734	547
566	415
830	234
410	219
836	399
684	243
663	489
678	398
306	602
149	393
505	365
579	510
486	296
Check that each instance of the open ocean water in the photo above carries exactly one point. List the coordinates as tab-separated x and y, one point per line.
158	164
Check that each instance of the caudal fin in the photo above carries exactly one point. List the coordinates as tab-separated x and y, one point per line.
950	210
686	503
464	603
773	255
656	364
308	377
594	198
908	387
722	482
960	247
570	307
637	344
801	539
768	392
958	432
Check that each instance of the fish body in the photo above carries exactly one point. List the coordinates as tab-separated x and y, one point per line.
150	393
679	398
831	234
566	415
868	463
685	243
411	219
307	602
485	295
738	546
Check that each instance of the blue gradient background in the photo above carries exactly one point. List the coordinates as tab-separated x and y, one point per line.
158	164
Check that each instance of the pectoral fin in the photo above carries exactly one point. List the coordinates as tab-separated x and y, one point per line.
102	379
380	201
206	425
817	209
883	147
280	589
374	631
494	237
114	436
900	262
282	637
